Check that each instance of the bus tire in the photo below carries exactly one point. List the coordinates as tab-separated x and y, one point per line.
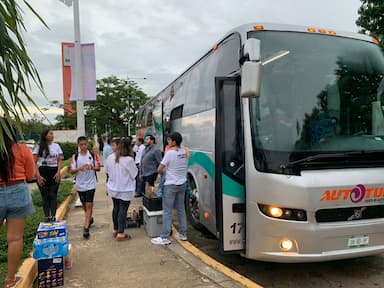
192	207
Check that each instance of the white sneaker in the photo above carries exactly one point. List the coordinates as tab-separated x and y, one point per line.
160	241
182	237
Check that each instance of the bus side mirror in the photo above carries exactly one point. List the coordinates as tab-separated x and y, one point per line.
250	70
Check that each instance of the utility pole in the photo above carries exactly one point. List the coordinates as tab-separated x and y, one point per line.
78	71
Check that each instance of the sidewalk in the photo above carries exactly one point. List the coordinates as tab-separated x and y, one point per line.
101	261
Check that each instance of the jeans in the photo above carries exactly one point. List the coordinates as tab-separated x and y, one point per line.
173	194
160	189
139	183
119	214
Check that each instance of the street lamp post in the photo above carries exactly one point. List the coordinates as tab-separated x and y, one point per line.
78	81
78	67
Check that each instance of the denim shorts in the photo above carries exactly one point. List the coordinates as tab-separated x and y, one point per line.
15	202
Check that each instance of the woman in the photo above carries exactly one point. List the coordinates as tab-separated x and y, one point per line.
48	158
16	167
122	170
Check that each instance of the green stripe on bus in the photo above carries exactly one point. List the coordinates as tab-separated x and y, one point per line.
232	188
201	159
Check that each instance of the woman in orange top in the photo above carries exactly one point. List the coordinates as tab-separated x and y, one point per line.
16	167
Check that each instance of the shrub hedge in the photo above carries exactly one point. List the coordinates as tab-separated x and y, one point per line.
31	225
69	148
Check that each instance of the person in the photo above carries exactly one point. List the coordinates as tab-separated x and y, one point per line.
122	171
48	157
101	145
85	164
16	167
160	189
107	150
115	144
150	160
138	149
176	163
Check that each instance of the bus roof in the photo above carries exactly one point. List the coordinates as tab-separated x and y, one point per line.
242	30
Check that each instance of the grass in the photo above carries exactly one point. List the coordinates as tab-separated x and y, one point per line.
31	226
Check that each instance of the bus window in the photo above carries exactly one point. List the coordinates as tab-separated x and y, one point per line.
149	119
177	112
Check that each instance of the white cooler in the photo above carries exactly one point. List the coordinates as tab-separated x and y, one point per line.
153	222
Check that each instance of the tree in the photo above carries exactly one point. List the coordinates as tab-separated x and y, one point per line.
64	121
17	70
371	19
118	101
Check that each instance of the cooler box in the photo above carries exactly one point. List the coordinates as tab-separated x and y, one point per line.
153	222
153	204
50	272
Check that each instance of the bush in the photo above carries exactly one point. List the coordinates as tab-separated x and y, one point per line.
31	225
69	148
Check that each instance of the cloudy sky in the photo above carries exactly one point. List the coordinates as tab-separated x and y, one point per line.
159	39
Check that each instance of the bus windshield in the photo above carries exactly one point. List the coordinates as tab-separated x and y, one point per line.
320	94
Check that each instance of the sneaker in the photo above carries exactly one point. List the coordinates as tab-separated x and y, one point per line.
182	237
160	241
86	233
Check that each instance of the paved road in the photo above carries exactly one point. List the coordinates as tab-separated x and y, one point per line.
361	272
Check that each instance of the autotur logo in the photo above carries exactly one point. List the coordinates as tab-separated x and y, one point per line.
358	193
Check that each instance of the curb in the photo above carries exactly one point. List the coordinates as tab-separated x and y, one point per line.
214	264
28	269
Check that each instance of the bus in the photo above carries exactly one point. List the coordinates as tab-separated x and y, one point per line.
286	131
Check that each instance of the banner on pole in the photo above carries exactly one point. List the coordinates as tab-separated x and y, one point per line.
66	61
88	71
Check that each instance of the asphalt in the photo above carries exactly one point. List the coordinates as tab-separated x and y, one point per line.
101	261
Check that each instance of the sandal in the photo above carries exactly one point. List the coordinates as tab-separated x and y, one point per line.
123	238
12	283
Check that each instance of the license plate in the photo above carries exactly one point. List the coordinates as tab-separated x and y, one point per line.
358	241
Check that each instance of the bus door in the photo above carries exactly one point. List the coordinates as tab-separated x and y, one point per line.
229	166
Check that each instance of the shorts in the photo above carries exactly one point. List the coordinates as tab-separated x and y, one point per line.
15	202
86	196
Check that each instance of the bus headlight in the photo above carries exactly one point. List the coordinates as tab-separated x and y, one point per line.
286	245
283	213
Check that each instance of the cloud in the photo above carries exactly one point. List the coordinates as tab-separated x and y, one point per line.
160	39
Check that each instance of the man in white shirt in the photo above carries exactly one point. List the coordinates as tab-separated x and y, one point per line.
85	164
138	149
176	162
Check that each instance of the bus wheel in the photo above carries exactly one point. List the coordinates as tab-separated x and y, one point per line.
192	205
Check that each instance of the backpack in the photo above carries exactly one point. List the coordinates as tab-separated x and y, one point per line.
93	160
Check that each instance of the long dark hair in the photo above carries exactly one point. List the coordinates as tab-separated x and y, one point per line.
43	144
125	149
7	159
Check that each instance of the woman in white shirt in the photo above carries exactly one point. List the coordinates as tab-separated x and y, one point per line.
48	157
122	170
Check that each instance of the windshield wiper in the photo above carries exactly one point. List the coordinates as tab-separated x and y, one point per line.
322	156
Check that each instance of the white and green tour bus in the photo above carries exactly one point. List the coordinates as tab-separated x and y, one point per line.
286	131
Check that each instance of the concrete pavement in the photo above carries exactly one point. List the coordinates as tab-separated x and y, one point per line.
102	261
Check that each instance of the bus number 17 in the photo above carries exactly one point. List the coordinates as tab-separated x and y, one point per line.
236	227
